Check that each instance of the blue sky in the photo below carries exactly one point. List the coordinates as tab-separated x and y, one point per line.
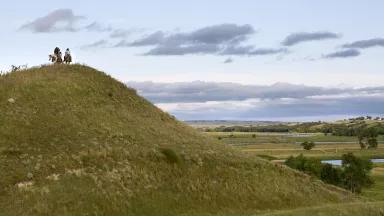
254	44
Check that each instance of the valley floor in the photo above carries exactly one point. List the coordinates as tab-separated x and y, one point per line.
280	146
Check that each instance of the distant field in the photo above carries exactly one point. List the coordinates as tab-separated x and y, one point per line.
280	146
284	145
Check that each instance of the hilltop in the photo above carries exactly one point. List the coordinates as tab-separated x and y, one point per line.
74	141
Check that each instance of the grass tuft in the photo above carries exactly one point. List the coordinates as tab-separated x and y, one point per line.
170	155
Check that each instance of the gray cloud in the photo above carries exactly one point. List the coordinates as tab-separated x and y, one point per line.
96	44
302	109
98	27
343	54
217	34
251	51
56	21
224	39
228	61
120	33
155	38
210	100
199	91
183	50
363	44
301	37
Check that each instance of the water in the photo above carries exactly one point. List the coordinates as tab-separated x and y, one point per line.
338	162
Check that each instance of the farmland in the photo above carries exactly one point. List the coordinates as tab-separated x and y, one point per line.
279	146
284	145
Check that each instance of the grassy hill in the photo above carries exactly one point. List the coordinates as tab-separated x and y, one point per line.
74	141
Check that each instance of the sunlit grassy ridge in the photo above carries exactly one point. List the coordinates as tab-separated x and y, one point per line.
74	141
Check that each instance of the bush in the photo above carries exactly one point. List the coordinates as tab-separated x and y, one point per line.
307	165
331	175
170	155
308	145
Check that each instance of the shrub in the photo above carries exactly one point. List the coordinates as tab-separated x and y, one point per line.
170	155
331	175
308	145
307	165
253	135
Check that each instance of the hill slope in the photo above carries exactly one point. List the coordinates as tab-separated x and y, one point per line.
74	141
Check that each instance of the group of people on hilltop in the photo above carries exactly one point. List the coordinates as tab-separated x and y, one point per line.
56	57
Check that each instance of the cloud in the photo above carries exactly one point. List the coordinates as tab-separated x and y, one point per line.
217	34
343	54
199	91
251	51
223	39
301	37
363	44
156	38
299	109
120	33
210	100
183	50
98	27
97	44
61	20
228	61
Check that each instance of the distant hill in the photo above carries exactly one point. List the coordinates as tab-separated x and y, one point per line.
74	141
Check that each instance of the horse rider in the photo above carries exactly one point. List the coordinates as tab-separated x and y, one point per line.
59	59
67	56
56	51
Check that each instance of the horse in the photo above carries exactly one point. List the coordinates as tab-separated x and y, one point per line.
52	58
55	59
67	59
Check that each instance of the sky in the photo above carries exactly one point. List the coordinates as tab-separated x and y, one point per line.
235	60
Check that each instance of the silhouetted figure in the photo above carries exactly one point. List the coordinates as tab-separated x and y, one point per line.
56	51
59	59
67	57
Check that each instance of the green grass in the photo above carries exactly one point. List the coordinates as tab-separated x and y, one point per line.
376	192
74	141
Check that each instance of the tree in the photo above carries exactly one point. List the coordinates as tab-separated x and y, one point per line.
367	137
331	175
308	145
372	142
355	173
